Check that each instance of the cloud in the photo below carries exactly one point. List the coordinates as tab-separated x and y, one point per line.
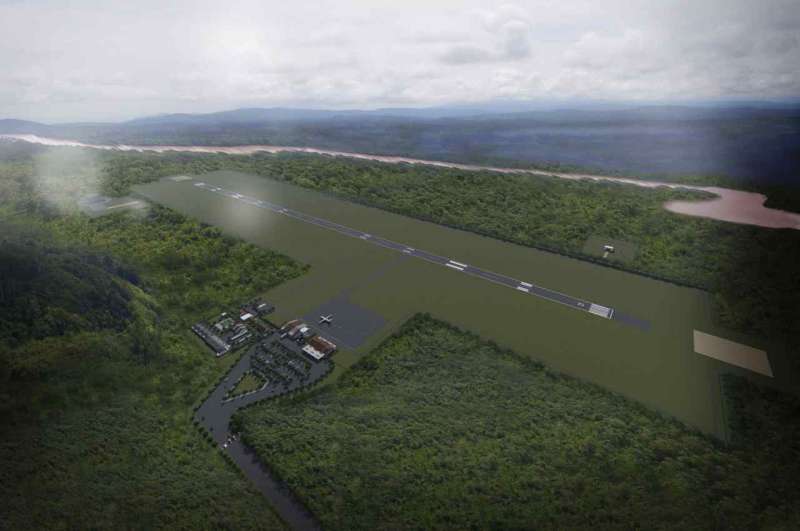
63	176
464	54
509	38
89	60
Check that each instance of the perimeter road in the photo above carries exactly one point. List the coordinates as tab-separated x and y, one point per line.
523	287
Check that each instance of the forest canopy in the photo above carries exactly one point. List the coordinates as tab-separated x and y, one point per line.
746	268
438	429
99	371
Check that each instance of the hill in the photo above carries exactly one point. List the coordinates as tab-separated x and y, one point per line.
742	146
98	372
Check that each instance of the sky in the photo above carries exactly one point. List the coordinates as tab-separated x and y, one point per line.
87	60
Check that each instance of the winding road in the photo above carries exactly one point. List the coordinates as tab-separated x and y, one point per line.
215	416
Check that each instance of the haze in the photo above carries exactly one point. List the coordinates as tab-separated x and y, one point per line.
88	60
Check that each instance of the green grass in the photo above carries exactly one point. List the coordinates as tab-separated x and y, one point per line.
744	266
439	429
658	368
249	382
55	443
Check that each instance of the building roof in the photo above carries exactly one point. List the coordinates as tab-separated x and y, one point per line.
291	324
297	329
264	307
322	344
314	353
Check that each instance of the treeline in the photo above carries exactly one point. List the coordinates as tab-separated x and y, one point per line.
745	146
748	269
438	429
61	307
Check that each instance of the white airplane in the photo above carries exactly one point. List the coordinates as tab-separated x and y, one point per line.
326	319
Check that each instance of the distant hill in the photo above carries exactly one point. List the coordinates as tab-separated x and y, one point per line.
528	113
595	113
244	116
22	127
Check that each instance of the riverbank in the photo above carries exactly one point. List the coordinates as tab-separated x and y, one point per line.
729	205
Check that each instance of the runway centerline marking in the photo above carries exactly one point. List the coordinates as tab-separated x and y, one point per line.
497	278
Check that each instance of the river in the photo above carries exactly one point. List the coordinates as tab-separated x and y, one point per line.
730	205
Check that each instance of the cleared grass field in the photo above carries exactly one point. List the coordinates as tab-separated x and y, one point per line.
657	367
250	382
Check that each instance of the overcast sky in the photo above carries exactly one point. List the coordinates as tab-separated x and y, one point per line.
105	60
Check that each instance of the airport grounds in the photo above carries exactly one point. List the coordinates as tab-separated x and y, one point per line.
605	370
651	375
656	367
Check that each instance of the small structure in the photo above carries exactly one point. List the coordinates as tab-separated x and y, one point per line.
216	343
306	332
263	308
224	332
318	347
241	334
295	331
315	354
607	250
288	326
224	324
256	307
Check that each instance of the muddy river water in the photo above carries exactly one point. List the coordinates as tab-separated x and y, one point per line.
735	206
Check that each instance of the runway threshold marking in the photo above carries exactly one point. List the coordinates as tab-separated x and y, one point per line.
524	287
600	311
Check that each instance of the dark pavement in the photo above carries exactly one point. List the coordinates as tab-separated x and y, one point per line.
215	415
527	288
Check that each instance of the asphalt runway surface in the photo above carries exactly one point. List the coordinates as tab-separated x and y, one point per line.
526	288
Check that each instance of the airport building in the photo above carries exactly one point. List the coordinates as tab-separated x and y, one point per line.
318	347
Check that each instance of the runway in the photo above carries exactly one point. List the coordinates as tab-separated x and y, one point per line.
523	287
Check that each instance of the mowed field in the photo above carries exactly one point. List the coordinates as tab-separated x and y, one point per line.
656	367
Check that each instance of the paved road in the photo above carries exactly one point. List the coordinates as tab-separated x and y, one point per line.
527	288
215	415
